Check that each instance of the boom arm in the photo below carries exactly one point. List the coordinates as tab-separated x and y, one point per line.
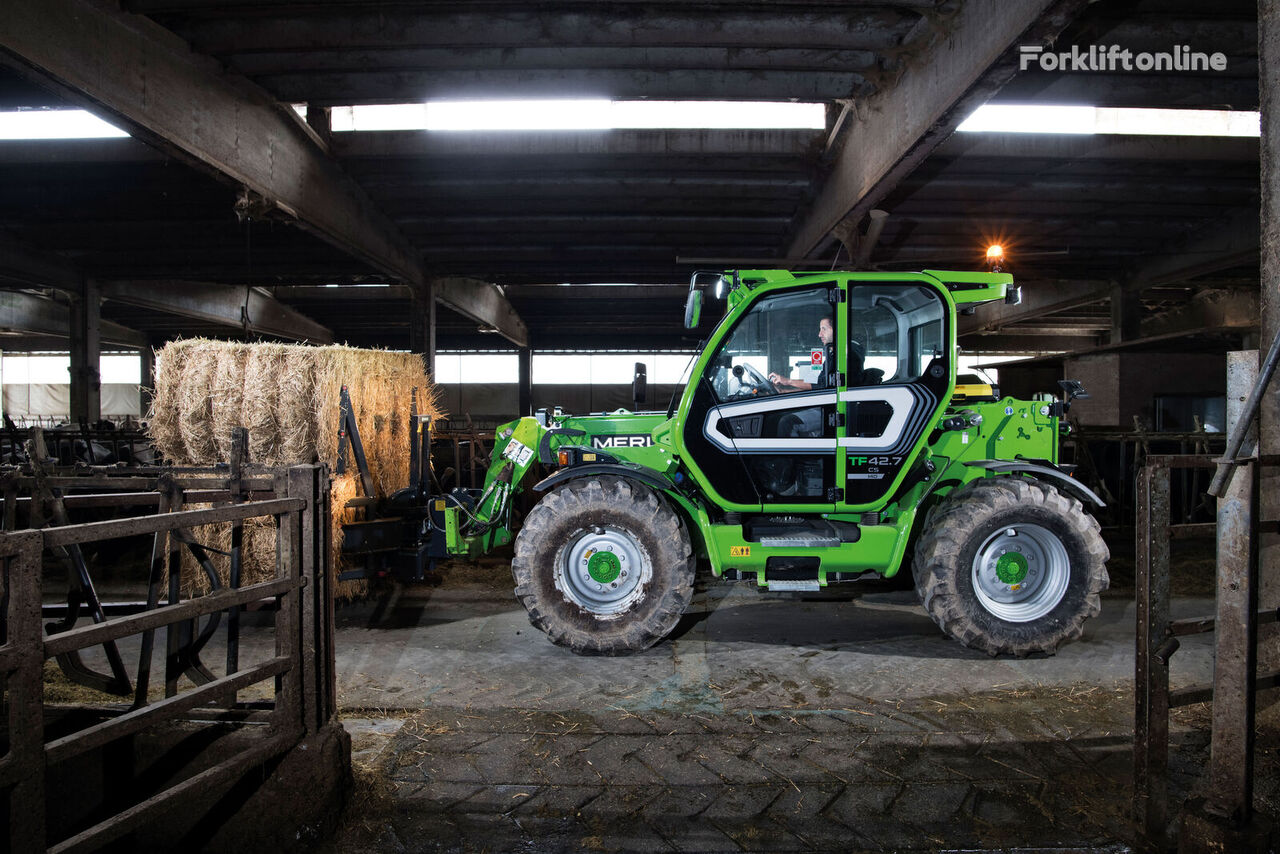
475	524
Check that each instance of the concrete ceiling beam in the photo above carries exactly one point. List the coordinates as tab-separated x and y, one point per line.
1223	245
556	59
40	316
611	143
853	27
1012	342
1229	242
144	76
244	308
1038	299
1208	311
898	127
1124	147
484	303
375	86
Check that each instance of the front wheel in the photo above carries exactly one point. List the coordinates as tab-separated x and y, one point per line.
604	566
1010	565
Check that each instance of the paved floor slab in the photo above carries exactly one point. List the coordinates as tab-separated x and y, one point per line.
766	723
737	649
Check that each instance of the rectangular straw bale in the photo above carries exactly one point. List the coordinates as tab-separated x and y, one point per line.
162	422
257	555
227	399
295	415
195	414
258	549
261	401
289	397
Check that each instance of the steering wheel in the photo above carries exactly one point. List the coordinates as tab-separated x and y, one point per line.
752	382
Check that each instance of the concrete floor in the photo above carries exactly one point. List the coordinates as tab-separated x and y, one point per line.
766	723
471	645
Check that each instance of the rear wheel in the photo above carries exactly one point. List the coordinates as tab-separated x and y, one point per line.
1010	565
604	566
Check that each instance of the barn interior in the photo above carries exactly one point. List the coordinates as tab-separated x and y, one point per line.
278	171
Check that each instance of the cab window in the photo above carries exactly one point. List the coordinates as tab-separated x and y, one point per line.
779	335
895	331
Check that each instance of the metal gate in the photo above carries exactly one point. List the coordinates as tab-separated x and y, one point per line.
298	676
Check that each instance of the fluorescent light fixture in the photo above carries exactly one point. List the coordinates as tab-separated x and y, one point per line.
55	124
1042	118
1029	118
582	114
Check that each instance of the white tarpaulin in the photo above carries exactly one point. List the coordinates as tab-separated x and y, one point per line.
53	400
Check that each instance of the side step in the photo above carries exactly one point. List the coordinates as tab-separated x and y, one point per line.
803	540
791	531
788	586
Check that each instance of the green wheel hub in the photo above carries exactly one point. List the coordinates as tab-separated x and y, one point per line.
604	567
1011	568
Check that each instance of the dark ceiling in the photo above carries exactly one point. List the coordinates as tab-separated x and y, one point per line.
531	210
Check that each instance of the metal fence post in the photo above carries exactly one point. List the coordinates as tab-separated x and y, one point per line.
1231	750
26	694
288	716
1230	791
1151	670
311	483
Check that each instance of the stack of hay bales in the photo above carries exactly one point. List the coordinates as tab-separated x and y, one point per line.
289	397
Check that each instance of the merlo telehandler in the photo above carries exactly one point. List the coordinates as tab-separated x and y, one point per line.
795	463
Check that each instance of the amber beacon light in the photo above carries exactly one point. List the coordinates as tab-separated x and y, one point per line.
995	257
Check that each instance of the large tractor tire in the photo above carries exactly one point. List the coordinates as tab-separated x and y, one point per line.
1010	565
604	566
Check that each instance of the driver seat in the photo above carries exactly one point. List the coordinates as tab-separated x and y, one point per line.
802	424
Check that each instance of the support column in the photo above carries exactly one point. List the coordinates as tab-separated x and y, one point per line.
146	380
1126	313
1269	413
1231	749
86	354
422	328
319	120
525	357
1223	819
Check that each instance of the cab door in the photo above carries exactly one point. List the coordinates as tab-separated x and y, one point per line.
898	351
760	444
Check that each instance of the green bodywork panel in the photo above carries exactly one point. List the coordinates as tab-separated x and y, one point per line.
1008	429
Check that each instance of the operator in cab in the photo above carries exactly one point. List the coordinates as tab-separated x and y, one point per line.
826	334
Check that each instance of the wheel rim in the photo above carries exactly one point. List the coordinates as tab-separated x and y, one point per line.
1021	572
603	570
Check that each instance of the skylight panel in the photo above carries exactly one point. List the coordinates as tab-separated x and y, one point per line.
1044	118
580	114
55	124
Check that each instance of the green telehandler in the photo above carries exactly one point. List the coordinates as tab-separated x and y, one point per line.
815	440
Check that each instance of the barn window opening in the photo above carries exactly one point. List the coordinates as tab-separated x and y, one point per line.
1048	118
579	114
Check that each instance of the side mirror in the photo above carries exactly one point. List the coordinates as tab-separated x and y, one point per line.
1073	389
693	309
1013	296
717	283
640	386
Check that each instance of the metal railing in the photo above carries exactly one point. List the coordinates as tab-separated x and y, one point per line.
1157	641
299	673
72	444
